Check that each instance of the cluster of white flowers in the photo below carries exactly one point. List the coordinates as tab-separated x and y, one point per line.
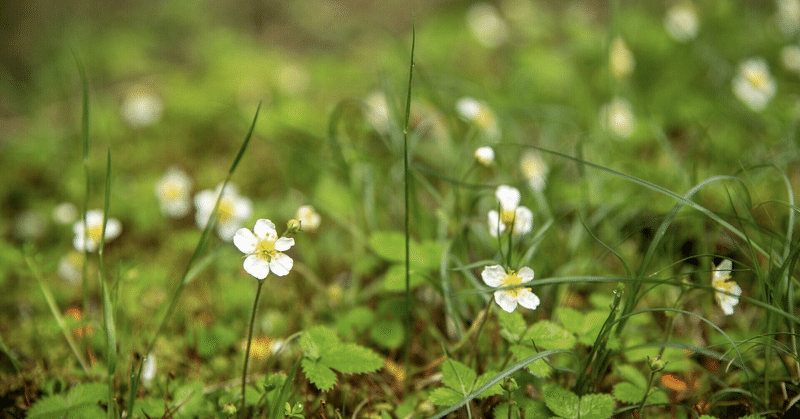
511	215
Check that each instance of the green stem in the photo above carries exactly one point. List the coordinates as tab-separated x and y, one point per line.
480	328
249	341
407	182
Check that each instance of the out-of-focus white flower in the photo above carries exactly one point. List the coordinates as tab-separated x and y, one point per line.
753	84
377	111
30	225
233	210
495	276
617	117
486	25
790	55
681	22
788	16
149	369
620	59
94	228
479	114
727	292
263	249
173	192
511	215
535	170
308	217
70	267
141	107
65	213
485	155
292	78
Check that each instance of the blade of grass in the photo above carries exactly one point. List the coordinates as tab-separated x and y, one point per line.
407	181
108	309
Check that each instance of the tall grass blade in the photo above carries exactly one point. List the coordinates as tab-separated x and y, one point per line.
407	181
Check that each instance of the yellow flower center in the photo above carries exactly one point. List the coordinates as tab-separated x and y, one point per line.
507	216
756	78
265	249
95	232
172	189
225	210
512	279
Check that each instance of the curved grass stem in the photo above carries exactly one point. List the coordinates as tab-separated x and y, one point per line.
249	341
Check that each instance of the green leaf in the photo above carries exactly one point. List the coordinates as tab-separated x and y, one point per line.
388	333
571	319
632	374
485	378
562	402
390	245
458	376
539	367
512	324
628	393
358	319
318	340
80	402
321	376
395	278
592	325
444	396
426	255
596	406
54	406
351	358
548	335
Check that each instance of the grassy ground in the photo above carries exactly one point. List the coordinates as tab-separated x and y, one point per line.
642	165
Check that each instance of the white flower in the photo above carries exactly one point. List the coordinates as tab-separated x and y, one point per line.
172	191
535	169
486	25
377	111
141	107
788	16
70	268
621	59
617	117
479	114
495	276
65	213
790	55
484	155
727	292
681	22
233	210
94	226
754	84
511	214
149	369
308	217
263	249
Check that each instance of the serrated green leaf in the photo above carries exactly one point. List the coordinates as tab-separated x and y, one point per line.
561	402
90	393
548	335
395	278
596	406
318	340
512	325
80	402
632	374
321	376
539	367
458	376
47	407
592	325
444	396
657	397
350	358
628	393
388	333
483	379
390	245
571	319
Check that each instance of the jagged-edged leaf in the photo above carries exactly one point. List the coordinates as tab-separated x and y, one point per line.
539	367
444	396
562	402
351	358
458	376
548	335
318	340
321	376
596	406
632	374
571	319
628	393
491	391
81	402
512	324
388	333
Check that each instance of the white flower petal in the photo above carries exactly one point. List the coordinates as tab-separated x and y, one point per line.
264	228
243	208
245	241
493	275
281	264
523	221
256	266
527	299
113	228
525	274
495	226
284	243
225	231
505	300
508	196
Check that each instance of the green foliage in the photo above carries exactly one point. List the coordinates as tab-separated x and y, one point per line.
461	380
549	335
82	401
566	404
323	352
424	257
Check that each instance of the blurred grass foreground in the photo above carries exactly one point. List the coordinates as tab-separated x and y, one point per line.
567	209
